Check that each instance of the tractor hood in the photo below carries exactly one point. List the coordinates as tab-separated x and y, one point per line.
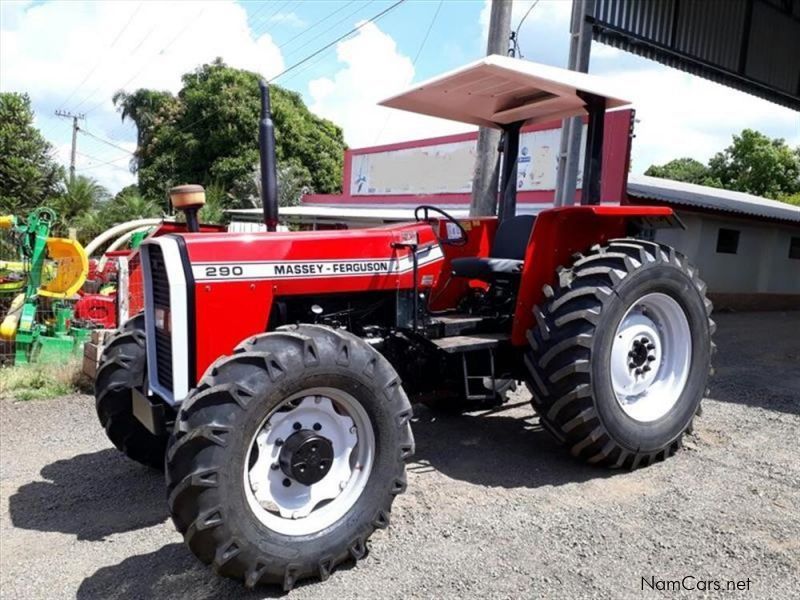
203	290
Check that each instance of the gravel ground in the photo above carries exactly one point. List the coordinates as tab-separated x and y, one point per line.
494	508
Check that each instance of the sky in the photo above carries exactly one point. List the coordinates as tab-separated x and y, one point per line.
74	55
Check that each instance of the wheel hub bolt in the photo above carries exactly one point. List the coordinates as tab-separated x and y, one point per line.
297	426
317	426
287	482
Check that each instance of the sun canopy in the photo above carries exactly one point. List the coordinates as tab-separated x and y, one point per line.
498	90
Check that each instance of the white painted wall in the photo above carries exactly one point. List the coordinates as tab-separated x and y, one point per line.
761	265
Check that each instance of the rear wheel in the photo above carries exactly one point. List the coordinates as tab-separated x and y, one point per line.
620	358
123	366
288	455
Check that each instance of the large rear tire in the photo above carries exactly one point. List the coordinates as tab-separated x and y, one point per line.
123	366
242	445
620	357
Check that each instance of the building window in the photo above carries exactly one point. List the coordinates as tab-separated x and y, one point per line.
794	247
727	241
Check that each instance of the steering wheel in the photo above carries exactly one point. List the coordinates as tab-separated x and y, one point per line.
425	209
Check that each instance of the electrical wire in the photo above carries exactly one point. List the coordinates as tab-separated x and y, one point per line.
413	64
159	53
337	40
104	55
310	27
93	93
339	22
515	33
105	141
101	162
309	57
294	66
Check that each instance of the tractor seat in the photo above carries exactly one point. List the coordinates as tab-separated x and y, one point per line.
506	257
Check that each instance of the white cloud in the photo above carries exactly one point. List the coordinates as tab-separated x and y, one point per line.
47	49
682	115
373	70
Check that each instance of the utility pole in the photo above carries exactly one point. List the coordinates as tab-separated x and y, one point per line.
572	129
68	115
484	181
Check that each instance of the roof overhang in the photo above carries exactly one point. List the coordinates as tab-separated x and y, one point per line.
498	90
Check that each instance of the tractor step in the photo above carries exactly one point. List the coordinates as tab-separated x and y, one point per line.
467	343
456	324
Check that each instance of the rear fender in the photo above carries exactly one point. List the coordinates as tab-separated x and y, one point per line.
561	232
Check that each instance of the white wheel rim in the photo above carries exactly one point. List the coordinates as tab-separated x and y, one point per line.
299	509
651	357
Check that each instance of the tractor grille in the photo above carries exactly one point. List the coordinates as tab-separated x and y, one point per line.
159	288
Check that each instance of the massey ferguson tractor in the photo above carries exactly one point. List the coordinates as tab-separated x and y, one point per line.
271	375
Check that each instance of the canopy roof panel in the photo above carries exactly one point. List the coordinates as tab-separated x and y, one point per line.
498	90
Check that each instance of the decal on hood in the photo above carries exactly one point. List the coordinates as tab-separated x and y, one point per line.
232	270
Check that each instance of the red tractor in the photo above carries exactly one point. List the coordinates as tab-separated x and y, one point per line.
272	374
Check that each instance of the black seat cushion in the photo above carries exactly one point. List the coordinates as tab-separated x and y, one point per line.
485	268
507	254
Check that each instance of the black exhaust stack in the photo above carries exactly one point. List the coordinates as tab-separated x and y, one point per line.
266	146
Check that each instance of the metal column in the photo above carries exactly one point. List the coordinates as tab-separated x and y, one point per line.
572	128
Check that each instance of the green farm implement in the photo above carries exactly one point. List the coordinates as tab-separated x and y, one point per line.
37	289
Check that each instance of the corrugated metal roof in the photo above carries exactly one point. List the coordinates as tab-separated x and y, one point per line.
745	44
700	196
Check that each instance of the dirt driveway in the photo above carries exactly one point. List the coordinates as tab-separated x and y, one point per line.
494	508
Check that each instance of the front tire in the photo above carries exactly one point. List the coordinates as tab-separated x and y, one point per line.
123	366
620	357
237	463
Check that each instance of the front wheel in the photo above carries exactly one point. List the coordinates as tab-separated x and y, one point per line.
123	367
619	361
288	455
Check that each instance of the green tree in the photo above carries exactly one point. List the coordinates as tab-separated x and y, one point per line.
682	169
753	163
28	173
759	165
208	134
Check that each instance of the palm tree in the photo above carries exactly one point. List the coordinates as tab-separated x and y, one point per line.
78	199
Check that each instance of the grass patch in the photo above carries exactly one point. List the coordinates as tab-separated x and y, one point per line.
43	381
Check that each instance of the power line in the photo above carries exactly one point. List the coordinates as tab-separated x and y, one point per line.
104	55
337	40
159	53
268	25
276	11
515	34
317	52
413	64
106	163
131	53
339	22
264	5
310	27
105	141
309	57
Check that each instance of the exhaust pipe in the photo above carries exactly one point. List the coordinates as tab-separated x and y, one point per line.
266	146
